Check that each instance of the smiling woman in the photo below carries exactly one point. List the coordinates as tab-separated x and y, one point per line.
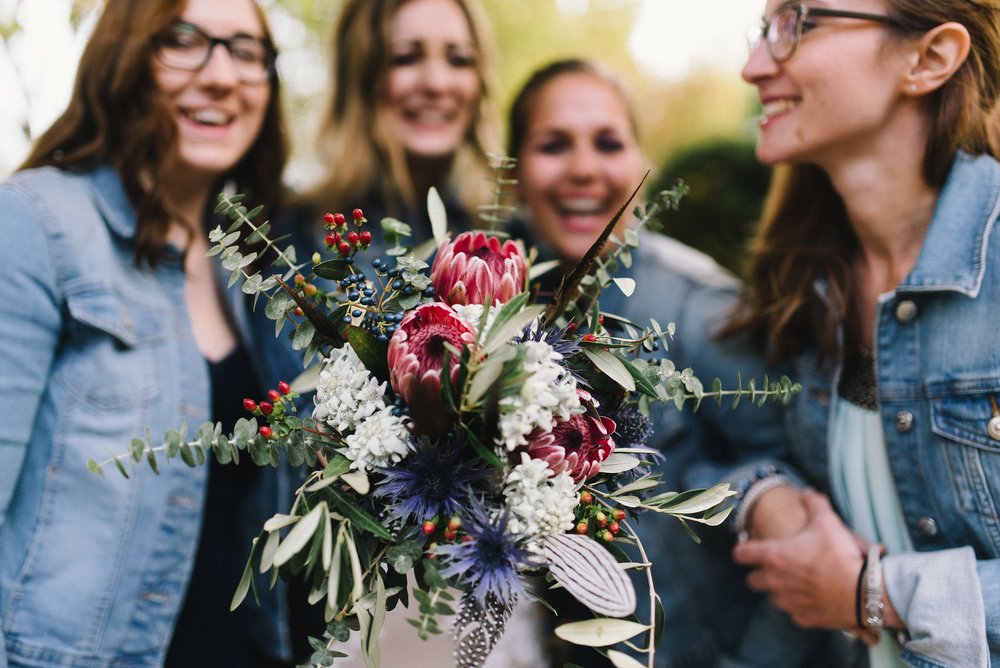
117	323
410	109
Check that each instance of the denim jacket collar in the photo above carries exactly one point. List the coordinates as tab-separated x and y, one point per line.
954	254
112	202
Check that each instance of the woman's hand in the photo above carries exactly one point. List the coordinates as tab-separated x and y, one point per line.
812	574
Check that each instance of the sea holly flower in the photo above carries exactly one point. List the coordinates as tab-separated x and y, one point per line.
416	358
576	445
476	268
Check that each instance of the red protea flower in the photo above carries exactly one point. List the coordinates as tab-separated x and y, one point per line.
577	445
416	356
475	268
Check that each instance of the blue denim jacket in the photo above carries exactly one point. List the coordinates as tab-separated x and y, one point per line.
94	350
938	375
710	618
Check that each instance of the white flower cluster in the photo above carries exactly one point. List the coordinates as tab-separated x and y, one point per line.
549	391
349	399
541	504
380	440
347	393
473	313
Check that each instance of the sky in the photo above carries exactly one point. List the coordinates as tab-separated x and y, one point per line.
671	37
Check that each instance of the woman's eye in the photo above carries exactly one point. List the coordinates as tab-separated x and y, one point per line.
405	58
609	144
552	146
461	60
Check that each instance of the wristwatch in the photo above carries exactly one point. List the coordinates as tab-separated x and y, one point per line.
874	607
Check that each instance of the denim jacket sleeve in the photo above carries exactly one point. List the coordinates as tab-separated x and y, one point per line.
921	585
29	340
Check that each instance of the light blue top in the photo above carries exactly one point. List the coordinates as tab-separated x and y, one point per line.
93	350
865	491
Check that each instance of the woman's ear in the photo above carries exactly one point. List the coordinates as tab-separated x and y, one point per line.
937	56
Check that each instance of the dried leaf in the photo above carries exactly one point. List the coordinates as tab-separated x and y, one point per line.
590	574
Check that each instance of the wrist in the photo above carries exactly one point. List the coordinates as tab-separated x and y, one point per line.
748	497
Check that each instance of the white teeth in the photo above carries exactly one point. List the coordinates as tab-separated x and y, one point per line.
430	117
209	117
778	106
581	205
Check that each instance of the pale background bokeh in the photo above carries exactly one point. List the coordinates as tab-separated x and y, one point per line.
686	57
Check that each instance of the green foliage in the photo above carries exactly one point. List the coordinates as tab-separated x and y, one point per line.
727	185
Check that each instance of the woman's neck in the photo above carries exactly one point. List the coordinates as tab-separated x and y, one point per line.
427	173
889	206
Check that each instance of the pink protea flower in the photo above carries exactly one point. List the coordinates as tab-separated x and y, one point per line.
475	268
415	357
577	445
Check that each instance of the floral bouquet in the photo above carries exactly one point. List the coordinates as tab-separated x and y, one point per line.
460	432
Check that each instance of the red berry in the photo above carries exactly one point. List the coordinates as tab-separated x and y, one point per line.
274	396
343	248
614	527
266	408
249	404
618	514
601	523
581	528
450	535
332	239
454	523
366	238
589	337
298	311
310	290
266	432
352	238
586	498
338	218
607	536
358	214
428	527
328	218
600	516
467	538
284	387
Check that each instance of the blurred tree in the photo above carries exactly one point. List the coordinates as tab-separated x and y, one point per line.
727	188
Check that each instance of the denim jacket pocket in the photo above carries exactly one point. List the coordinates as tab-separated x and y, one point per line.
110	357
962	419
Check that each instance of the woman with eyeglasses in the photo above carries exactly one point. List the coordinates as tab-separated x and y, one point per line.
877	275
115	322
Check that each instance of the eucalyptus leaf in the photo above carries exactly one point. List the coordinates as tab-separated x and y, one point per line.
626	285
438	216
300	534
619	463
622	660
611	366
599	632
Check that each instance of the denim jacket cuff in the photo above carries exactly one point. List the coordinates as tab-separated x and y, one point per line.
939	598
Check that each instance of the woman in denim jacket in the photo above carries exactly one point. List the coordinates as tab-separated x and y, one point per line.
573	130
878	276
115	322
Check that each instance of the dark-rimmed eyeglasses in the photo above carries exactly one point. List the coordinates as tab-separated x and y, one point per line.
783	31
185	46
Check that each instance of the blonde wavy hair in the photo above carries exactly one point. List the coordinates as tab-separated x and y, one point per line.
362	156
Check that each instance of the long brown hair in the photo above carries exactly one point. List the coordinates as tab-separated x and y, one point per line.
805	235
362	156
116	115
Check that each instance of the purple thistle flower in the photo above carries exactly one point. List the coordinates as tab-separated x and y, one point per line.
432	481
490	557
632	428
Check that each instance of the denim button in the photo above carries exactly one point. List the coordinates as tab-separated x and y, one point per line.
904	421
927	526
906	311
993	428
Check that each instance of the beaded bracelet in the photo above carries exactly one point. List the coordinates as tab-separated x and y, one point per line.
749	492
